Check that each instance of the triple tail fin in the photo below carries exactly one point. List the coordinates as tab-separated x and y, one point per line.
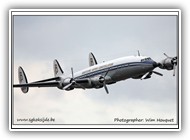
22	79
57	69
92	60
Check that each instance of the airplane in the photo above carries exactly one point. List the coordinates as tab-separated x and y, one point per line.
99	75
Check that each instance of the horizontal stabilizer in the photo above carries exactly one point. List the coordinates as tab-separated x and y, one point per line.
46	80
24	85
43	84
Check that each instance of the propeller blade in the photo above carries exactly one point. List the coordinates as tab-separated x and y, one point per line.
138	53
72	72
105	87
145	75
174	67
155	72
68	86
73	82
166	55
106	74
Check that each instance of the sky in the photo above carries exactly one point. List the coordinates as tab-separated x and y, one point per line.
38	40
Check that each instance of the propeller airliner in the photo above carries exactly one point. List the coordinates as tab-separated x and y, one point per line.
99	75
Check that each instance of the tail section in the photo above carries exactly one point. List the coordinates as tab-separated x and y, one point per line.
22	79
57	69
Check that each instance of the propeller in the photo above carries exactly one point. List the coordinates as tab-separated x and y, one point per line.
67	86
73	82
72	73
174	67
103	80
155	72
173	62
166	55
148	74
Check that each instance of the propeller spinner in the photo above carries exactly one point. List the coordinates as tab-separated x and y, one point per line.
169	63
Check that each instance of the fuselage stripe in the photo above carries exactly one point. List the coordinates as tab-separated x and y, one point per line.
119	66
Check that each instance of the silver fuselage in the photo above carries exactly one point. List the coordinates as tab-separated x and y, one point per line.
117	70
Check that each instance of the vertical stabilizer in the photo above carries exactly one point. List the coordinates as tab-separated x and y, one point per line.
22	79
92	59
57	69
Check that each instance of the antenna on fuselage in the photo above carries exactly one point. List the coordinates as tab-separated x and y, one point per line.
138	53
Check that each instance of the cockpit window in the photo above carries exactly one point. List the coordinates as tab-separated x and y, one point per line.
145	59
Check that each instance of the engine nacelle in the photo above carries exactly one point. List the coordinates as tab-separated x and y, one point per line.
65	82
97	82
167	64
